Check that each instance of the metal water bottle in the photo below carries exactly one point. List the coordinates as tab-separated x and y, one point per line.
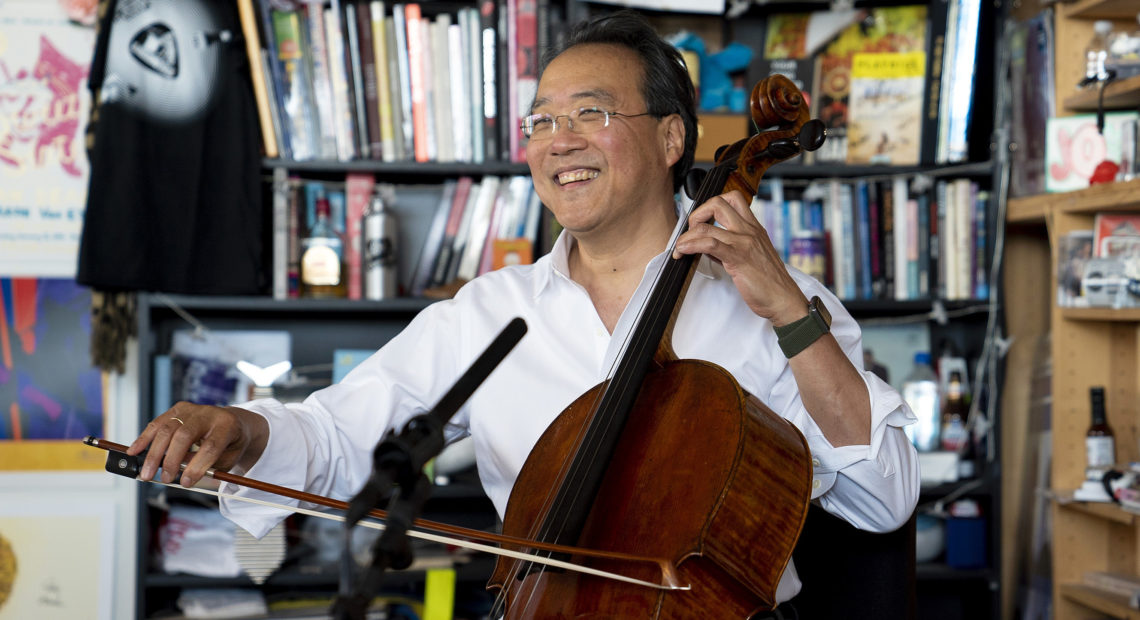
380	251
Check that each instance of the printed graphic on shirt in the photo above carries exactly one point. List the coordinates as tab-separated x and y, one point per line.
164	58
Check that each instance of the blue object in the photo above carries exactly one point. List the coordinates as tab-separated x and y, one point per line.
966	542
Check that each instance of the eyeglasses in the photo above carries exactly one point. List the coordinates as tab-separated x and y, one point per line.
581	121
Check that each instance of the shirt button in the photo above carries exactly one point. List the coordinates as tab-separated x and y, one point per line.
814	462
815	483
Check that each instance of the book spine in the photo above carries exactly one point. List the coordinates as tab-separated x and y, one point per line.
257	76
490	58
368	77
441	99
400	137
338	75
460	84
474	41
936	44
280	233
358	192
356	84
298	111
322	82
412	18
383	85
400	27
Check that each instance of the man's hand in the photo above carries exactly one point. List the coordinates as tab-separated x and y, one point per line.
224	436
743	247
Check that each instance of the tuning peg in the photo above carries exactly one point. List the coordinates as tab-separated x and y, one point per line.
783	148
812	135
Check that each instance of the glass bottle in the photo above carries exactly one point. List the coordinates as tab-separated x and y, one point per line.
323	268
920	391
1096	52
1100	443
954	434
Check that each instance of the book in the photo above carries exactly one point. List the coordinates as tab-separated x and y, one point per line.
315	32
490	42
460	87
447	247
400	46
358	193
1074	148
298	113
433	242
388	150
885	108
900	29
356	83
442	97
525	73
371	94
476	233
281	232
344	124
257	77
473	40
416	50
400	138
785	50
958	80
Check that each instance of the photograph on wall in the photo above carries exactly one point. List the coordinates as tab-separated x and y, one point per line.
50	394
44	102
56	559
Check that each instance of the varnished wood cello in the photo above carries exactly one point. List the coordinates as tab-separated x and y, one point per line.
670	458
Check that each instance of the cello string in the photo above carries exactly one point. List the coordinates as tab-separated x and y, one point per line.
574	481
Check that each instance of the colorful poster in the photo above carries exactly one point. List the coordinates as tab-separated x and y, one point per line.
56	559
44	102
50	394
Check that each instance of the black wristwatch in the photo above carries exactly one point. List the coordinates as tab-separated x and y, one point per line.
797	335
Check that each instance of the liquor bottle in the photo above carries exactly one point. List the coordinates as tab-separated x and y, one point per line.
954	434
380	250
323	270
1100	444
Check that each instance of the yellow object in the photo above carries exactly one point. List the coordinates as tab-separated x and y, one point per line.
439	594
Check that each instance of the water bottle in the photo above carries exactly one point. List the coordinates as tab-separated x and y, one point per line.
920	391
379	251
1097	52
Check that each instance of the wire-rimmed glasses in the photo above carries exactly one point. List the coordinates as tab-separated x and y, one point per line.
585	120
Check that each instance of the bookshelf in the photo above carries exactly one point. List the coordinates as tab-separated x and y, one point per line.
318	326
1088	346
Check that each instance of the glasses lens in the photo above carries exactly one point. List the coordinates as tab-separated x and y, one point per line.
589	120
538	126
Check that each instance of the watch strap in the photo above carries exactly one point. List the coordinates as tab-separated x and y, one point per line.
800	334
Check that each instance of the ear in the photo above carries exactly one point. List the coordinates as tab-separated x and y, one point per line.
673	138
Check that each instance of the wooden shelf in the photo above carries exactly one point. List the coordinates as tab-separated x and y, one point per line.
1101	510
1117	95
1123	196
1123	315
1104	9
1114	605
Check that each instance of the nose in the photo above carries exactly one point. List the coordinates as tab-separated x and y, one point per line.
565	139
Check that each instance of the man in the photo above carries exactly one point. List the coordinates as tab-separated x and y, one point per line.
611	134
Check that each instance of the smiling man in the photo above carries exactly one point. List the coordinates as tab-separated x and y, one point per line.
612	133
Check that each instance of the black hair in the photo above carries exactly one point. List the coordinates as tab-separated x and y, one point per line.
666	85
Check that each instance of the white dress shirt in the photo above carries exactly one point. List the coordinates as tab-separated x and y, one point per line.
324	445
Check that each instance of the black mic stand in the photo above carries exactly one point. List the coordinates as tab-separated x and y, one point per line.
398	460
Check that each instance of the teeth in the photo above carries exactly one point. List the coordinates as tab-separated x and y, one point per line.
577	175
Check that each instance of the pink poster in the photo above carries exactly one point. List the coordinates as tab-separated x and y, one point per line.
44	61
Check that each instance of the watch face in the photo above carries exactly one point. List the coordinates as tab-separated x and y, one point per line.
819	309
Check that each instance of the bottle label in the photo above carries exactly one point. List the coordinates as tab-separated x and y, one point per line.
953	435
1100	451
320	266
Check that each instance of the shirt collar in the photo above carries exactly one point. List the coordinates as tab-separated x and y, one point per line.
558	264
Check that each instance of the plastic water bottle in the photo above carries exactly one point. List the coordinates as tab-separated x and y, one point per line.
920	391
1097	52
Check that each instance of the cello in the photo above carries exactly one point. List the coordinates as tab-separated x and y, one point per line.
667	457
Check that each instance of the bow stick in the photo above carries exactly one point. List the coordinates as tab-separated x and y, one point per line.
119	462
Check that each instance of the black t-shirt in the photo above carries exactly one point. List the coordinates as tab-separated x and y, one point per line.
174	202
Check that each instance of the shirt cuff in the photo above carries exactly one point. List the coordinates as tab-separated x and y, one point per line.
887	409
277	465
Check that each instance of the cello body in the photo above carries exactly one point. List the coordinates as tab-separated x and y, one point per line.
670	459
708	477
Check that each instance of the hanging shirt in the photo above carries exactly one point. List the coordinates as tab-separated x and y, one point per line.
174	202
324	445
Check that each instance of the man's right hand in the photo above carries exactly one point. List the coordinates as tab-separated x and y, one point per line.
224	436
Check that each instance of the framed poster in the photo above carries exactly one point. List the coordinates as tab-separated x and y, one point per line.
56	559
44	103
50	394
